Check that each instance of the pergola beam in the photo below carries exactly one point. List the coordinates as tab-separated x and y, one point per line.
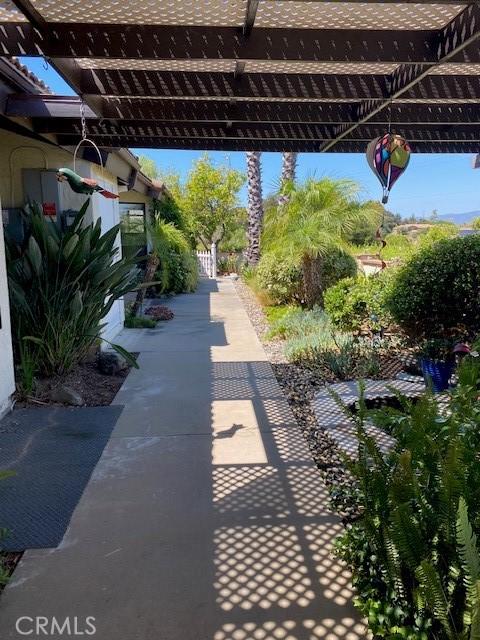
131	129
54	108
462	32
126	83
229	144
384	1
29	11
64	40
180	84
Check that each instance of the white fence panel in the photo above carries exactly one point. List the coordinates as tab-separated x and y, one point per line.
207	262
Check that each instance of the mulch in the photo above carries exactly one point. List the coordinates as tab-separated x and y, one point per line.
96	388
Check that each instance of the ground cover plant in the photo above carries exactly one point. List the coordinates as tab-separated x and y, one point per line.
311	339
412	549
139	322
62	284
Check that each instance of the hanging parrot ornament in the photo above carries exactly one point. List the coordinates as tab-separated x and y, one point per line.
86	186
388	157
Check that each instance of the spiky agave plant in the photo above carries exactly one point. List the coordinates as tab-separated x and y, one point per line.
62	284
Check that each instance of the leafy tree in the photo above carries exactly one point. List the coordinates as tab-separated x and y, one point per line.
476	223
440	231
148	166
364	234
235	238
168	209
210	200
317	218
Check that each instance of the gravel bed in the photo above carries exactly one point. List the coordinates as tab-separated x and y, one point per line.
299	385
273	348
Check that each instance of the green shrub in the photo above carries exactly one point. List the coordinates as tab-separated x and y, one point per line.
412	549
356	303
296	322
311	339
350	359
191	276
166	208
337	264
437	291
228	264
133	322
280	278
437	232
309	349
62	284
308	334
275	313
178	269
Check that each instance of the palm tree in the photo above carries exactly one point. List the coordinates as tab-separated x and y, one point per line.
289	166
255	206
316	219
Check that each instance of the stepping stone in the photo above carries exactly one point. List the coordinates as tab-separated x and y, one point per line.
340	426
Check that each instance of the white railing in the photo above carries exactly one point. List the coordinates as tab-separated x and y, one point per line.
207	262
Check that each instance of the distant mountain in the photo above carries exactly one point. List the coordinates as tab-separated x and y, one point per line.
460	218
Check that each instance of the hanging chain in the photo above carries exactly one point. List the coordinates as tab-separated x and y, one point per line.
82	120
390	116
389	132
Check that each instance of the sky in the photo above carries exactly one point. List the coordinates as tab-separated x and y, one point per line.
446	183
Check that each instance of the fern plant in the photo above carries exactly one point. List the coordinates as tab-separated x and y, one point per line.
412	550
470	558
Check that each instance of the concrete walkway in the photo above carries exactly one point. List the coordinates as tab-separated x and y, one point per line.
205	518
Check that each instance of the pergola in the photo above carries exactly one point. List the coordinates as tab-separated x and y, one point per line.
272	75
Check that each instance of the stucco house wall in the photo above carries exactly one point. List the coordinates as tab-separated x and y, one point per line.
20	153
7	378
134	197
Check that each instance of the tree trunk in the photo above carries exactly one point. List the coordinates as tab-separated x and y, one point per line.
312	281
255	206
289	166
149	276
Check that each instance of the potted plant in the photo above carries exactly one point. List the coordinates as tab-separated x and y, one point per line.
437	361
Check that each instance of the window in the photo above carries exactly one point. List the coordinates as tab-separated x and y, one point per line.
133	228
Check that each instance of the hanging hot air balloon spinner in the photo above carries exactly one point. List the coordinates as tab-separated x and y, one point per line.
388	157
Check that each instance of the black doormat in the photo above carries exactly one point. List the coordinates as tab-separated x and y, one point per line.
52	452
